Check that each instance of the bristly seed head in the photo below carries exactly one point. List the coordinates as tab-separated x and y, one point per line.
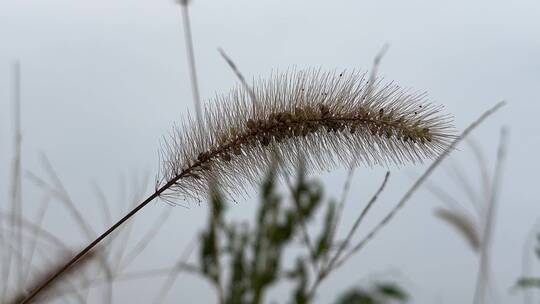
322	118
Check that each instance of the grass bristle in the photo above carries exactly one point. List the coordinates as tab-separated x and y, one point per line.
324	119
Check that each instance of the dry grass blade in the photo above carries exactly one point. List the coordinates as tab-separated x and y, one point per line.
527	259
446	198
483	276
145	240
38	221
465	183
482	166
42	235
16	191
104	204
173	274
58	190
463	223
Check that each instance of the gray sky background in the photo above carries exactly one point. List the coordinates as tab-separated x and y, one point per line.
104	80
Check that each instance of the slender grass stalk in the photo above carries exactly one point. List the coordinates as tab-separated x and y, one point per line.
362	215
16	189
485	257
191	56
323	118
44	206
420	181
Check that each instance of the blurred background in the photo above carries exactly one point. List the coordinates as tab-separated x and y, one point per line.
102	82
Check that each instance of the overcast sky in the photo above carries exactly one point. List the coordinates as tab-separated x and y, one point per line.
104	80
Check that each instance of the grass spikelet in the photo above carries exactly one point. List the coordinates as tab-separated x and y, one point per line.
323	118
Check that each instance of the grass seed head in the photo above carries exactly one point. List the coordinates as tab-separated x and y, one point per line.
323	118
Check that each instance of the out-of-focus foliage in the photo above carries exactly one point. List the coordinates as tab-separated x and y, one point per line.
381	293
530	282
243	261
254	255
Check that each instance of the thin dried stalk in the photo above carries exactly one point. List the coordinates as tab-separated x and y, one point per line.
358	221
328	268
341	205
191	56
16	191
483	273
463	223
419	182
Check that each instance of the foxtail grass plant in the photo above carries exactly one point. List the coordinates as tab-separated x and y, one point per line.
323	119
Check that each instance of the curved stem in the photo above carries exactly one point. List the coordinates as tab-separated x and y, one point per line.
88	248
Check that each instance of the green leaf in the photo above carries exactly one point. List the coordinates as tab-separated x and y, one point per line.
392	291
323	243
525	283
356	296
